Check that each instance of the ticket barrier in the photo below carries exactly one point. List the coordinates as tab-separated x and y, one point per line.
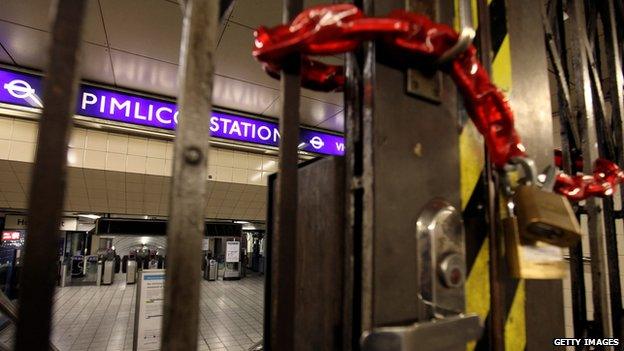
131	272
210	272
108	272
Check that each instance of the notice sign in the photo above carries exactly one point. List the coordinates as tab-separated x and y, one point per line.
149	310
232	251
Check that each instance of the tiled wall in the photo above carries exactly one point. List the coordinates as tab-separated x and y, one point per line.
118	152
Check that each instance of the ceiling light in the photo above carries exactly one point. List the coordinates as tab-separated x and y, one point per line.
241	222
90	216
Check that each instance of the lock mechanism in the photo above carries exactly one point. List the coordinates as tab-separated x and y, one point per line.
442	324
546	216
539	224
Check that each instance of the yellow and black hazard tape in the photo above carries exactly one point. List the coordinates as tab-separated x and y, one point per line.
473	197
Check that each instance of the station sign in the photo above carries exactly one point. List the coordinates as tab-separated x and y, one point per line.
23	89
21	222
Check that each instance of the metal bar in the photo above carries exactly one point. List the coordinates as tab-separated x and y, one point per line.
360	69
577	273
48	178
555	59
606	144
615	83
497	317
185	228
285	236
579	68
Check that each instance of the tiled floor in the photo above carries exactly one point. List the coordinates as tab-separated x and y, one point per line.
101	318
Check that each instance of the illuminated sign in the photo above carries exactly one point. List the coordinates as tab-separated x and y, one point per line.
10	235
26	90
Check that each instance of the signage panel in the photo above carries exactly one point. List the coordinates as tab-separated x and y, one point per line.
26	90
232	251
21	222
149	310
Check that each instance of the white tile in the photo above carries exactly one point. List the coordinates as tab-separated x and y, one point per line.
225	158
269	164
255	177
155	166
116	162
96	140
75	157
223	174
240	160
137	146
136	164
22	151
24	131
156	148
168	168
6	128
5	148
78	138
254	162
95	159
239	175
169	152
118	143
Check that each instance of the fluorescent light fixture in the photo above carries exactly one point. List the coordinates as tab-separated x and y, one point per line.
90	216
249	227
241	222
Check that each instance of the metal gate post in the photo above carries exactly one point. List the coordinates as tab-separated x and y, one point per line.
185	228
359	97
614	86
283	242
580	80
47	189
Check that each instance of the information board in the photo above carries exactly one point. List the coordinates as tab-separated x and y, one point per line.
150	294
232	251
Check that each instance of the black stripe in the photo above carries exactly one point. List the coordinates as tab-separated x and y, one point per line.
474	223
498	25
483	344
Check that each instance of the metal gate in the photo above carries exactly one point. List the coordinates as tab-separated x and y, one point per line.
403	150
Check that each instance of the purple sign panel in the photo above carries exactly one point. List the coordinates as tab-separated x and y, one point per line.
25	90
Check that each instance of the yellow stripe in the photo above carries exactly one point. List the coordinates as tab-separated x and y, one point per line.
501	67
478	288
471	165
515	331
471	161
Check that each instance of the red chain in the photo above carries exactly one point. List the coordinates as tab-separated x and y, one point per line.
337	29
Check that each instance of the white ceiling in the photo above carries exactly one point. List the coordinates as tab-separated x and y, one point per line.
135	45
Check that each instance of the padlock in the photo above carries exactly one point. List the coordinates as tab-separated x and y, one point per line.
531	259
545	216
541	214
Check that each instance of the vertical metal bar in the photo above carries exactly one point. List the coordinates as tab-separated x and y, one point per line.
568	144
282	332
359	96
47	189
584	106
615	83
497	317
185	228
